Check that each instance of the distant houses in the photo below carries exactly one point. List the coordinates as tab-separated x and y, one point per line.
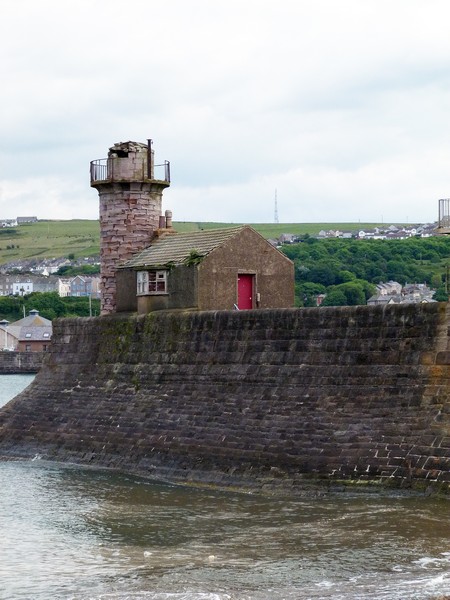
82	285
17	221
390	232
46	266
393	292
23	220
22	285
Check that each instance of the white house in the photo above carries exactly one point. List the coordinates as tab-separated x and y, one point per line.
20	288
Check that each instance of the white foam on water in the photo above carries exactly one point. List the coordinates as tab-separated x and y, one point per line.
164	596
438	580
325	584
436	561
425	561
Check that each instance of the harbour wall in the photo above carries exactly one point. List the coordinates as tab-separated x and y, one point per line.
269	398
14	363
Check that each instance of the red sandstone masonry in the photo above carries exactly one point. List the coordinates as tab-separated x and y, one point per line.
130	207
258	397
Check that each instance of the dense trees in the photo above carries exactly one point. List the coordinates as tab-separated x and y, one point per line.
71	271
49	305
350	268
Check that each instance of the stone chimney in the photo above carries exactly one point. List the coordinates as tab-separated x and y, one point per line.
130	194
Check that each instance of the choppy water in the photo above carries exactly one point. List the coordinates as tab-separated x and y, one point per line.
69	533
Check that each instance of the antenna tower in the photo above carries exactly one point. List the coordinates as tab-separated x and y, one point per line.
275	215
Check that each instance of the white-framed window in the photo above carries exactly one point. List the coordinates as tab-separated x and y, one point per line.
157	282
151	282
142	282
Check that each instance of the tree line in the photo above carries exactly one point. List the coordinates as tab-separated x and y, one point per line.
49	304
347	270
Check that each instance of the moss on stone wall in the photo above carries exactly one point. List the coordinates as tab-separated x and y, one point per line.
264	398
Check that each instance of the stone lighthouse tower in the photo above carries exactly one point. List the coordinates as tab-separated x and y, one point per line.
130	188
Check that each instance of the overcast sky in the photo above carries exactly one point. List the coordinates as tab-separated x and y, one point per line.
342	107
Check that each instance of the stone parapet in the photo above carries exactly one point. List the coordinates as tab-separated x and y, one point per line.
21	362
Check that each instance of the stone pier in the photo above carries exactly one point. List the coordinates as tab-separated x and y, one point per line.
269	398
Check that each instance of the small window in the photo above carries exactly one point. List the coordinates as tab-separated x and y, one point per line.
157	282
28	335
152	282
46	334
27	347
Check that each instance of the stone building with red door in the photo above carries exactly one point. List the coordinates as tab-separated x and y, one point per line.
216	269
147	266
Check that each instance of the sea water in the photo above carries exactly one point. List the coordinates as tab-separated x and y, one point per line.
79	534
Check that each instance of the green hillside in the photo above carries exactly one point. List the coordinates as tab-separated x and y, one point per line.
49	239
54	239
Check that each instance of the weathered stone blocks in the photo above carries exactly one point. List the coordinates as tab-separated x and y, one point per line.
21	362
334	393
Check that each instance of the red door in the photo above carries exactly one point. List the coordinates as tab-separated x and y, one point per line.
245	292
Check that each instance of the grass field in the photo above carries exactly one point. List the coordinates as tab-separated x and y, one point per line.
49	239
54	239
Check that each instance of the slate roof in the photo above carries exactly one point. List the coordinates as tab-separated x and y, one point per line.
33	320
31	328
174	248
33	334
